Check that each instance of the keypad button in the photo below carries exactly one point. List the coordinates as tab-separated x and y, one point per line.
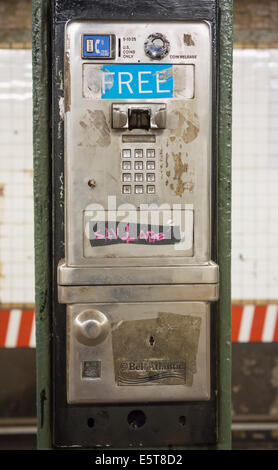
126	165
138	177
138	153
138	165
126	153
126	177
150	153
139	189
150	189
150	165
126	189
150	177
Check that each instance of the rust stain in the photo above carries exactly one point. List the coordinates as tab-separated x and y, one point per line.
2	189
95	127
167	156
188	41
179	167
67	83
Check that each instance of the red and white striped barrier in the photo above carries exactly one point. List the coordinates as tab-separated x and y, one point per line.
254	323
17	328
250	323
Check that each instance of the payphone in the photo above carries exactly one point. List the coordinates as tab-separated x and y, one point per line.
138	278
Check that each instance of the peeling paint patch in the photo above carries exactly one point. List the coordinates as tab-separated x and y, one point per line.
188	41
95	129
180	168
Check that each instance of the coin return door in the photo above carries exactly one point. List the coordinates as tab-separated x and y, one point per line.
138	280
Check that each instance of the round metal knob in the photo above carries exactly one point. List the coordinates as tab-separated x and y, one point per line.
91	327
157	46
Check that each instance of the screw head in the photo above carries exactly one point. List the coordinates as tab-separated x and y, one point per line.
92	183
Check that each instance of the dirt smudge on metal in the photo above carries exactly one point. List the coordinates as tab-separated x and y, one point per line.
180	168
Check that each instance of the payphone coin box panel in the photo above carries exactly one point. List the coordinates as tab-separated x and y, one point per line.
137	143
134	352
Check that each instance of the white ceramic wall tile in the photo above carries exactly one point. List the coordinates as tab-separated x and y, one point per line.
16	178
255	175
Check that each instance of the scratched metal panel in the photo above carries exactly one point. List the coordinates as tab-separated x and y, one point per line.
16	178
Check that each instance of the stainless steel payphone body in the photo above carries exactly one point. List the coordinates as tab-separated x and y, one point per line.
138	277
137	280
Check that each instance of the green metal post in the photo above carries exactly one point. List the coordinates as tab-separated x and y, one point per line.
42	206
224	221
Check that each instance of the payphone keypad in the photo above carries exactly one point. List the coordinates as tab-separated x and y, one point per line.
138	171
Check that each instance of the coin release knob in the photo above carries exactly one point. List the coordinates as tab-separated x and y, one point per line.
91	327
157	46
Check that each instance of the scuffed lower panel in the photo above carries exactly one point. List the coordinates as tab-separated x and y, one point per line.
255	382
134	352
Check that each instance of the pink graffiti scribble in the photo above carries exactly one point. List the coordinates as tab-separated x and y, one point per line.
149	236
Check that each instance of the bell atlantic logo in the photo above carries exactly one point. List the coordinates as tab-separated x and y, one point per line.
147	371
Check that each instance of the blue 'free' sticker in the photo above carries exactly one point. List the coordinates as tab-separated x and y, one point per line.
136	81
96	45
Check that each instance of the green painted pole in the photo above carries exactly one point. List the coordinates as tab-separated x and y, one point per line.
42	210
224	221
